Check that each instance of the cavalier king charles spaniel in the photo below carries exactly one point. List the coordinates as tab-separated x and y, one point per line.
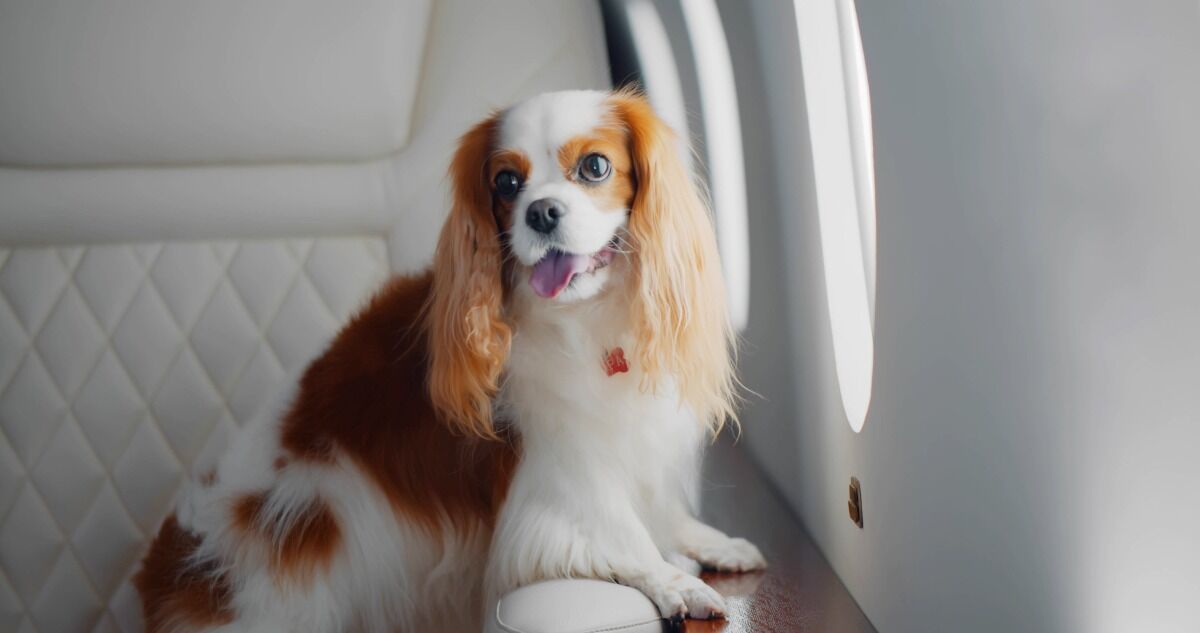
533	407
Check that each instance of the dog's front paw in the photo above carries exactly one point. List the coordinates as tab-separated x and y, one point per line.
730	554
681	560
679	595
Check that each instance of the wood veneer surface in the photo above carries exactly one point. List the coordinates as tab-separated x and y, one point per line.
799	591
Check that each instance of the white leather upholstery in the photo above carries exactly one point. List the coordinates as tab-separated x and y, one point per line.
123	370
575	606
476	56
135	82
192	197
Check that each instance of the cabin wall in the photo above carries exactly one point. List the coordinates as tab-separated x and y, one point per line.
1029	461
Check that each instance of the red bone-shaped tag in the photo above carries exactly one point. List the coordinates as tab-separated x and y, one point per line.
614	362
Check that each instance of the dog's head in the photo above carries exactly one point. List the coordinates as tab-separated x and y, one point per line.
572	197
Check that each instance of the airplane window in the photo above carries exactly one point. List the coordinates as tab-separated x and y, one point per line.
677	52
656	65
839	121
723	145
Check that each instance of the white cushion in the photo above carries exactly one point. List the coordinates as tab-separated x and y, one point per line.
546	44
145	81
575	606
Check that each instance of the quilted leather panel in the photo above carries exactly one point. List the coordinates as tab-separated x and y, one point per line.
123	368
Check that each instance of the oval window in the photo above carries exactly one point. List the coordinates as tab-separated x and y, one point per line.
839	124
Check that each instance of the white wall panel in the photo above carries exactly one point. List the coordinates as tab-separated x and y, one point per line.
1028	462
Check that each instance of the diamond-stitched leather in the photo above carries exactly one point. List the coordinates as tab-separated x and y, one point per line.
123	370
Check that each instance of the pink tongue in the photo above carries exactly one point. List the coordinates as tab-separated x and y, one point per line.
553	272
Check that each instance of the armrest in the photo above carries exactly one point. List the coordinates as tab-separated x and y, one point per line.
574	606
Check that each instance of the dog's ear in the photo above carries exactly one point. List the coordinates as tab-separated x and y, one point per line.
681	323
468	337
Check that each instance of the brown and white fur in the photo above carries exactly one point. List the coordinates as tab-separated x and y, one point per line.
495	421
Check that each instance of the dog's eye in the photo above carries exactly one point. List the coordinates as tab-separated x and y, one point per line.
594	168
508	183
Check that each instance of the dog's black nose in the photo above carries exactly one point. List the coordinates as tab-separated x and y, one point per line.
542	215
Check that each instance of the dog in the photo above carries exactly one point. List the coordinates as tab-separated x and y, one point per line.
533	407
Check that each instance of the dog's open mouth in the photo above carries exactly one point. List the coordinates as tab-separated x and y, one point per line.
555	270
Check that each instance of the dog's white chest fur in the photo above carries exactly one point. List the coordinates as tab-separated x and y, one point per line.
596	448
